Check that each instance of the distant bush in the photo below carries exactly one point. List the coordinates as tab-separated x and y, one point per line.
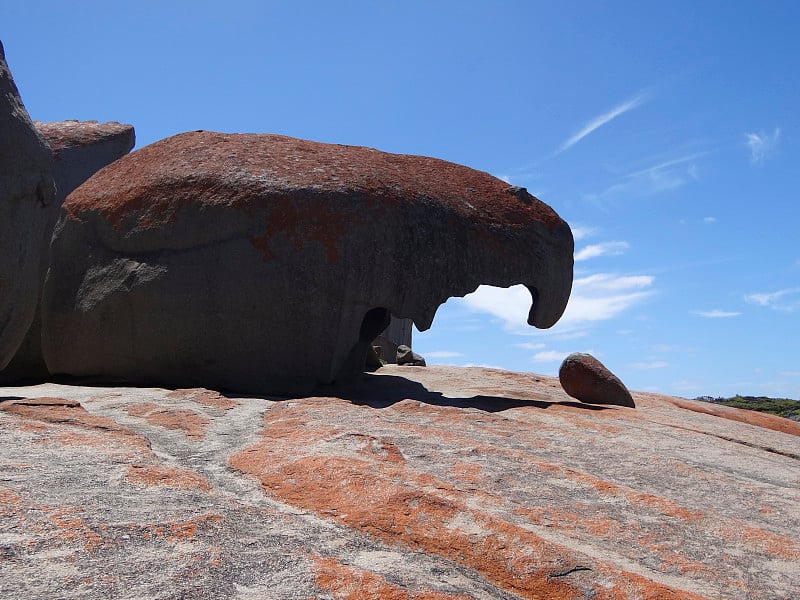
783	407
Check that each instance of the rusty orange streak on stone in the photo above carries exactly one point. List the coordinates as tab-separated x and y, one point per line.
322	222
74	529
8	497
179	531
187	421
399	505
767	421
60	411
157	475
770	543
349	583
204	397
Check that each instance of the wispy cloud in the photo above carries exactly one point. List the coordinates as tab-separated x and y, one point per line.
709	220
762	145
580	232
601	120
716	314
661	177
786	300
604	249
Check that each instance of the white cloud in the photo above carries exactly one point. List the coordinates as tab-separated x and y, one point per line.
643	366
709	220
762	145
529	346
785	300
604	296
511	305
601	120
550	356
790	373
604	249
596	297
443	354
716	314
579	233
484	366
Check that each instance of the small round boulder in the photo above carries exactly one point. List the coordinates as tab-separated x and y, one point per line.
585	378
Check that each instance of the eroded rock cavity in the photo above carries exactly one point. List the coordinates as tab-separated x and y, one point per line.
263	262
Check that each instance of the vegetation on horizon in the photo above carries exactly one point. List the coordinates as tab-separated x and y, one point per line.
782	407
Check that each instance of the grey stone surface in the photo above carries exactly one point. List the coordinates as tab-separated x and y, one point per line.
406	356
435	483
80	149
396	334
267	263
27	194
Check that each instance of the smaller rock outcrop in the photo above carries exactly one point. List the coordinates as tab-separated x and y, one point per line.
587	379
406	356
80	149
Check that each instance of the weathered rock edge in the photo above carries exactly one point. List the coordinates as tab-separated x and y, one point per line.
26	193
80	149
268	263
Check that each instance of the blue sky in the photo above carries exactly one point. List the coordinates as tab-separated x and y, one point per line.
666	133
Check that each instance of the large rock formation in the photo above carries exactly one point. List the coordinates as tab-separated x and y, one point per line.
439	483
27	193
80	149
267	263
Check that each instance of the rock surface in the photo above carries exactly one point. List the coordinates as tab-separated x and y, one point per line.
436	483
406	356
27	194
80	149
587	379
262	262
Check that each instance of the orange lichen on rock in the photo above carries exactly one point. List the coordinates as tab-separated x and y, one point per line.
350	583
60	411
764	541
751	417
157	475
179	531
187	421
74	529
204	397
397	504
9	497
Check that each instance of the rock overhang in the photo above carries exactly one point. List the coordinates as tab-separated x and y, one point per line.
357	228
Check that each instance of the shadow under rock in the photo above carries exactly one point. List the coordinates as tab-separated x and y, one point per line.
382	391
